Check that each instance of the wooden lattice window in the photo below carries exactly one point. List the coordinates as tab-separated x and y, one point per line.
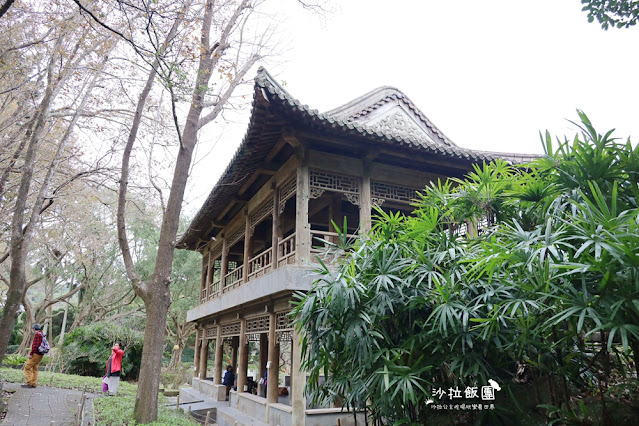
389	191
231	329
258	324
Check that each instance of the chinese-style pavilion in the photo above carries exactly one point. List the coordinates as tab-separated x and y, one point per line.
296	172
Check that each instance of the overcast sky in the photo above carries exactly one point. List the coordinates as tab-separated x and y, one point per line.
489	74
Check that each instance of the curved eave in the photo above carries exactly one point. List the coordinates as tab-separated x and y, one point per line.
271	100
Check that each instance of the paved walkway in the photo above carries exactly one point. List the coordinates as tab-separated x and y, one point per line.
44	406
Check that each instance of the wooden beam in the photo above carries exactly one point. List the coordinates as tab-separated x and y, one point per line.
291	138
275	150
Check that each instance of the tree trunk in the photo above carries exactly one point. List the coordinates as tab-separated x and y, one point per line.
146	401
176	358
64	323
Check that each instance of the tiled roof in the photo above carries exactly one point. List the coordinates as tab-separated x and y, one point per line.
341	118
271	102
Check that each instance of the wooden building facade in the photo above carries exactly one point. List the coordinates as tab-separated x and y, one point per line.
295	174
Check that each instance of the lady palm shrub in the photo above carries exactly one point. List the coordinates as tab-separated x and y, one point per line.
541	293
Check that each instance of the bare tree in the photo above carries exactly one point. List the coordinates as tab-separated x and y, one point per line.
73	46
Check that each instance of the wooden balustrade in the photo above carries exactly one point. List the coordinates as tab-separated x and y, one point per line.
214	290
260	264
203	295
286	251
319	239
233	279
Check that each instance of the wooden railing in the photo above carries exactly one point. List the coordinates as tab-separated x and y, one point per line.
286	251
260	264
203	295
233	279
214	289
319	239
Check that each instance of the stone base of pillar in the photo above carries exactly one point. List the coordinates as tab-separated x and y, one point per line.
219	392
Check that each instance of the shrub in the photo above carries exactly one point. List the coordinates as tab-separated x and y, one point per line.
87	349
14	359
173	379
12	349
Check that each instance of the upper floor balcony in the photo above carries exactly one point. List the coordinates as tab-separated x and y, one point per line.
289	220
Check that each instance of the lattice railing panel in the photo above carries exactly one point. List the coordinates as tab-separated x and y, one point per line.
264	211
287	190
231	329
235	237
216	252
258	324
334	182
211	331
389	191
283	336
254	337
282	321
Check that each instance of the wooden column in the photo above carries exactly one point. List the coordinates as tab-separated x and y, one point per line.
263	359
202	280
243	348
196	352
273	359
247	246
365	204
298	381
234	345
302	227
204	353
277	233
219	347
224	267
209	273
244	358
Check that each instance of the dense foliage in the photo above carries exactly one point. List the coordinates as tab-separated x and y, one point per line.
543	297
612	13
87	349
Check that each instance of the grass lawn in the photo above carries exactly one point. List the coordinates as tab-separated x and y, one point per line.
114	410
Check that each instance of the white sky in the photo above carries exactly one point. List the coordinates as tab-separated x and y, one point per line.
489	74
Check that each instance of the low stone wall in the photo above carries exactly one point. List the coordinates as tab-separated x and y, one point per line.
251	405
329	416
280	414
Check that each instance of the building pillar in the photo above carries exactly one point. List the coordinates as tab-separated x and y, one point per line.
302	227
204	353
224	267
276	231
234	344
243	349
202	281
365	203
247	246
196	353
219	347
298	381
273	359
263	359
209	273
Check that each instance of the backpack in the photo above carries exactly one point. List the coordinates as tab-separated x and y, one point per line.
44	346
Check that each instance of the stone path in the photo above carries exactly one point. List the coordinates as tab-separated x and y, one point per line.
45	406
